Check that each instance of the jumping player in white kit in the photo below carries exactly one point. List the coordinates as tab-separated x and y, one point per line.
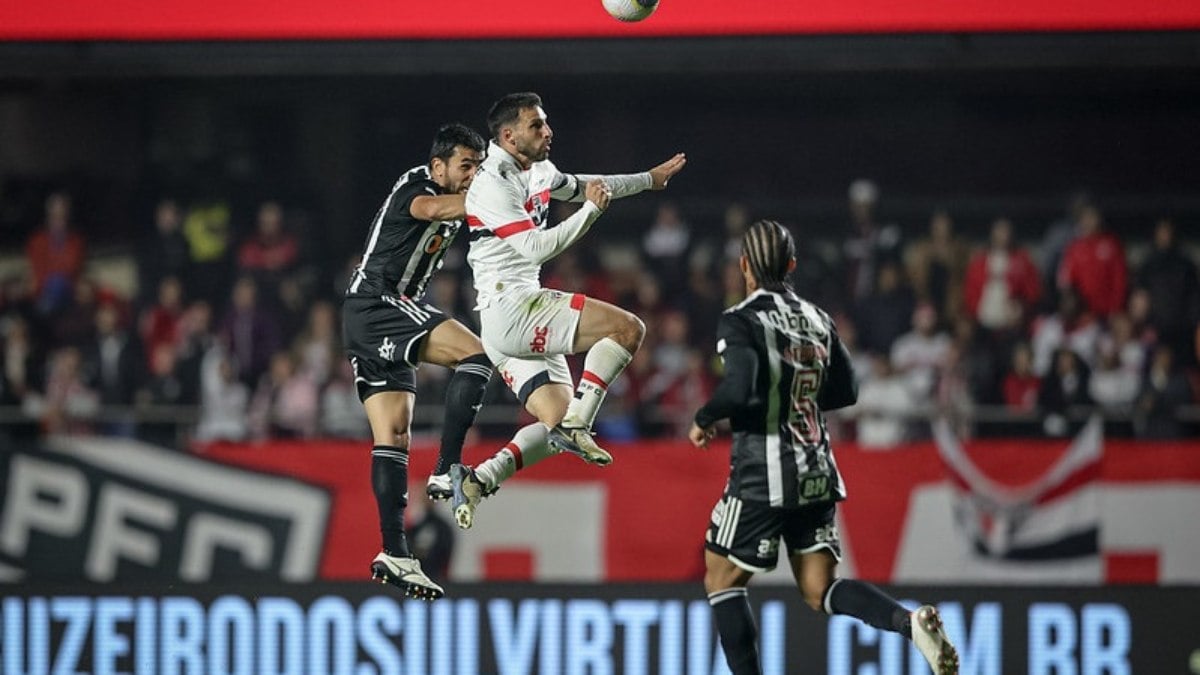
528	330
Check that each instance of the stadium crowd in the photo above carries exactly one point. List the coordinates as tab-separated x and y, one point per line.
235	330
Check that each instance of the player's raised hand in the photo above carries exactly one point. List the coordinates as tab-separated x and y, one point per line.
700	436
661	174
598	193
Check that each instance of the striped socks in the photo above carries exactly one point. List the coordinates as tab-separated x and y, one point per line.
528	447
604	362
389	481
464	396
735	625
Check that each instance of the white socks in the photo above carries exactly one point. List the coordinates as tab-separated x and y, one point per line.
604	362
528	447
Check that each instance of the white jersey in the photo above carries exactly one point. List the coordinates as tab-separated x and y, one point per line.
507	213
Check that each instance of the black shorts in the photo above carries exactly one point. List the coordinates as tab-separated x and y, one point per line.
748	533
383	337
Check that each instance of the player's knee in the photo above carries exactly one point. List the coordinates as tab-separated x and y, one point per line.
631	332
814	600
724	577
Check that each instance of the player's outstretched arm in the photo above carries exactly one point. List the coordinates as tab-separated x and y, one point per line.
571	187
662	174
441	207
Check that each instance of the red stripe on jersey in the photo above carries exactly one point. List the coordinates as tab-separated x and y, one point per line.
577	301
472	221
514	228
542	197
594	379
516	451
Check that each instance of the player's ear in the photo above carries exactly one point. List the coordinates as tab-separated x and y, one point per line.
437	167
744	264
792	265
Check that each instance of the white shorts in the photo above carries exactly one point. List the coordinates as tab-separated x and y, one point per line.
528	335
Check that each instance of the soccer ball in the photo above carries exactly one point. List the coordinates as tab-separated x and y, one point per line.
630	10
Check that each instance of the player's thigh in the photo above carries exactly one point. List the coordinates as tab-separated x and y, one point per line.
814	549
745	532
541	322
390	416
599	319
542	384
549	403
448	344
720	573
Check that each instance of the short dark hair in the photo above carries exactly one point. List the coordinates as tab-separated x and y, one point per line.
769	248
450	136
508	109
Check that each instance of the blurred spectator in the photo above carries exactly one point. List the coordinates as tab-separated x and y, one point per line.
196	340
703	307
1094	265
430	536
224	400
884	405
270	253
16	300
285	403
1144	332
163	390
1071	327
686	392
1169	277
113	366
666	244
74	324
1113	386
671	353
342	414
572	272
207	230
885	314
318	347
1002	287
737	221
868	244
56	255
160	323
1058	236
981	360
733	286
848	333
249	332
919	354
1066	385
953	393
936	264
1164	390
1021	385
163	253
69	405
23	362
1125	348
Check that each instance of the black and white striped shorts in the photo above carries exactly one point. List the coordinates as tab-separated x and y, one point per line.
383	337
748	533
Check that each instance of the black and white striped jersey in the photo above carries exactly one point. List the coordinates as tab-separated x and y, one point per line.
402	253
781	452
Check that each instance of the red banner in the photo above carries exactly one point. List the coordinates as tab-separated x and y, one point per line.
469	19
643	518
